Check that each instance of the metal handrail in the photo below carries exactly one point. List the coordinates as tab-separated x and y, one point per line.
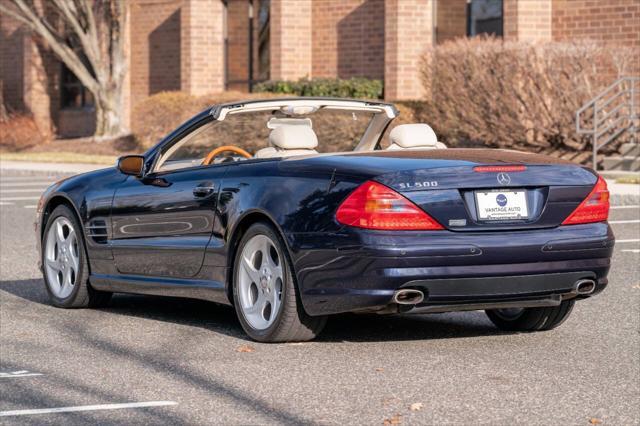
604	120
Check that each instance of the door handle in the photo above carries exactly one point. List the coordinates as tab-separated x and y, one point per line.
204	189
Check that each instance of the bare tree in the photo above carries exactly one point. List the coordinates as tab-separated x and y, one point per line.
88	36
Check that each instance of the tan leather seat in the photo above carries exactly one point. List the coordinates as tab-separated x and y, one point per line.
414	136
290	140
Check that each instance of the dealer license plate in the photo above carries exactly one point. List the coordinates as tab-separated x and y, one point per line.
502	205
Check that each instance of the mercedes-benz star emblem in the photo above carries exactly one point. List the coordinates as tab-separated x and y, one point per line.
504	179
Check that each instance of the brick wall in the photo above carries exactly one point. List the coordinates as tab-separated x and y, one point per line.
155	47
610	21
526	20
348	38
408	33
29	74
12	41
202	49
290	39
451	20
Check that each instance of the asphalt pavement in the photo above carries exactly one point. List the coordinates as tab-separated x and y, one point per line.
152	360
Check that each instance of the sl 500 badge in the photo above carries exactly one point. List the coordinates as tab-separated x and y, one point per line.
424	184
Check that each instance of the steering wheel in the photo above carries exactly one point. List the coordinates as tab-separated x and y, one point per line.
226	148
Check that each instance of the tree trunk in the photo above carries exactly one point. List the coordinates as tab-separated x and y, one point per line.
110	118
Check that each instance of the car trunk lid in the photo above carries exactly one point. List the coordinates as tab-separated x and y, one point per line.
485	196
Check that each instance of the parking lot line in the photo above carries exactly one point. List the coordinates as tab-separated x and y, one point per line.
23	184
21	373
635	240
31	206
25	190
613	222
635	206
632	251
86	408
18	198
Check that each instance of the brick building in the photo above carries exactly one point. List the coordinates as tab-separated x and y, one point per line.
207	46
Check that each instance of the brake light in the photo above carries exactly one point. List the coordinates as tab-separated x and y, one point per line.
374	206
594	208
489	169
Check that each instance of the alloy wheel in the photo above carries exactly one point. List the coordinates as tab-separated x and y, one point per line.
61	259
260	281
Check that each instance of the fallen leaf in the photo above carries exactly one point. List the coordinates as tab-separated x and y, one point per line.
379	369
416	406
595	421
245	349
395	420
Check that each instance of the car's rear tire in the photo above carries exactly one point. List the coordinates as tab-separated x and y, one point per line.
64	263
531	319
270	309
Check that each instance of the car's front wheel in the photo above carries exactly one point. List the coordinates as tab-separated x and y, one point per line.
264	291
64	263
531	319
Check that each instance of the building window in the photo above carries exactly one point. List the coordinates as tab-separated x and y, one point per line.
73	93
485	17
264	59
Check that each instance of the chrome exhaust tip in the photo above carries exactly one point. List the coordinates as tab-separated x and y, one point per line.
408	297
585	286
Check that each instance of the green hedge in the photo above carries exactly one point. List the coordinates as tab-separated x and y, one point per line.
351	88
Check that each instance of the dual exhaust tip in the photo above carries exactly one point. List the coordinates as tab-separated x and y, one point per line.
410	296
586	286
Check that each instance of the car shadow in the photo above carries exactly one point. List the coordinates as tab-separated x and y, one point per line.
222	319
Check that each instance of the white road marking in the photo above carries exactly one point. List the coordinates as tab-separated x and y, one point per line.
636	240
21	373
36	190
87	408
635	206
32	206
2	203
632	250
614	222
18	198
27	178
20	184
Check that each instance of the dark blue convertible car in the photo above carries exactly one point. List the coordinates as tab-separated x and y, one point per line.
295	209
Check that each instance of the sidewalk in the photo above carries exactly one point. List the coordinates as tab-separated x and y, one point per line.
621	193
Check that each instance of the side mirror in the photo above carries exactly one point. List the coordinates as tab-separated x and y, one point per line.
131	165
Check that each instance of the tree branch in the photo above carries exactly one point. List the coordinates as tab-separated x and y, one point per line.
57	44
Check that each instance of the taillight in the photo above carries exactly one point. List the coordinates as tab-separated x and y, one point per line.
594	208
374	206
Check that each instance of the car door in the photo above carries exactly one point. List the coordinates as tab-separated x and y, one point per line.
161	223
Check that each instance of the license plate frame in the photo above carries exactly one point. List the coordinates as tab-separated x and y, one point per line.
489	205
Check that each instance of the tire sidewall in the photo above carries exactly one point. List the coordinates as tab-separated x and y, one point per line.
81	276
287	285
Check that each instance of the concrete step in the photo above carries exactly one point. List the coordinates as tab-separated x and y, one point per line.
627	163
630	149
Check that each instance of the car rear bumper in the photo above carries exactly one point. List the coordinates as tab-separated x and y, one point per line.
364	268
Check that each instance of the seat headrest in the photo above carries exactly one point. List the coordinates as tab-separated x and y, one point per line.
293	137
414	136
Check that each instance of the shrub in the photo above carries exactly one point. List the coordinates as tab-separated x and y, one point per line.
514	94
156	116
352	88
19	132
